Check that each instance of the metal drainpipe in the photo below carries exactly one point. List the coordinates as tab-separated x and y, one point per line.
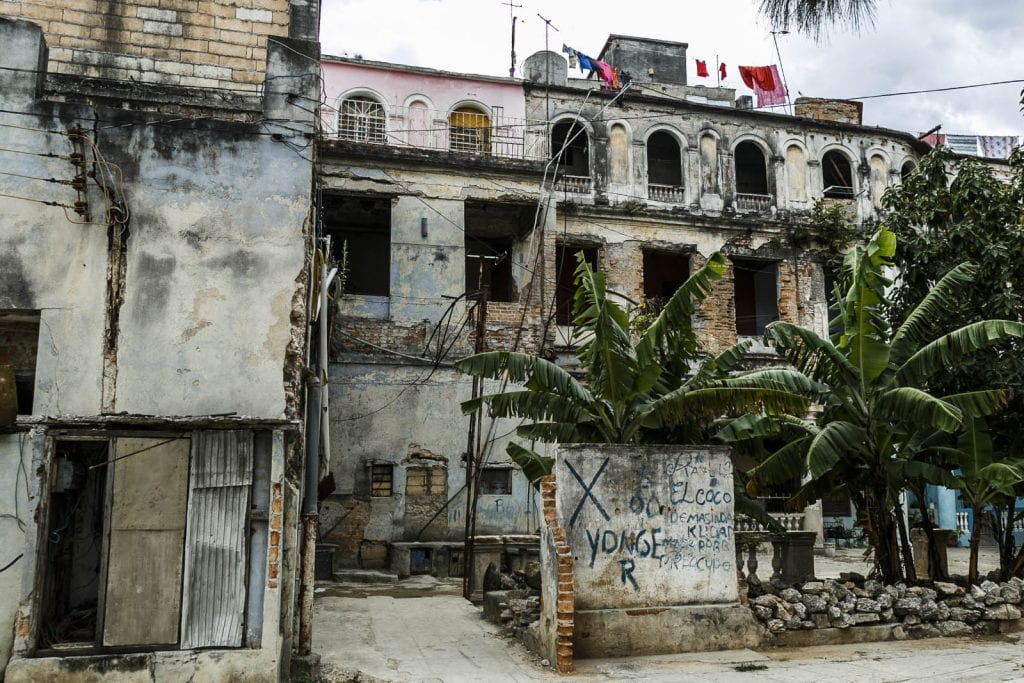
309	517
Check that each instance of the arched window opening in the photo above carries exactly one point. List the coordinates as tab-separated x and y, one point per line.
837	176
908	168
469	130
878	179
574	167
751	178
362	119
664	168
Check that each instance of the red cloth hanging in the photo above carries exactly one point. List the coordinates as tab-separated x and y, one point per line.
702	68
721	71
761	76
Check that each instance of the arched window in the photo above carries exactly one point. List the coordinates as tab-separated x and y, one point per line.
751	170
362	119
574	167
469	130
878	179
796	173
908	168
836	175
664	165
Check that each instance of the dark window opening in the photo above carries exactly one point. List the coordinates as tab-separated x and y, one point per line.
664	160
907	169
836	507
363	226
756	291
664	273
382	479
565	270
835	324
775	496
493	232
837	177
576	157
496	481
19	342
455	564
751	169
74	548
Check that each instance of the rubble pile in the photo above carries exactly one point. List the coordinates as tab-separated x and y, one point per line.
938	609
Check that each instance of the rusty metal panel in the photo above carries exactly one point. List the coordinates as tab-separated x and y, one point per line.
147	532
215	547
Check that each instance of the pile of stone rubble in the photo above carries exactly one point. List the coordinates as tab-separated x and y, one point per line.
926	611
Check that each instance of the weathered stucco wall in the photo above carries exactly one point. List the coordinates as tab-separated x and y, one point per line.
15	465
648	525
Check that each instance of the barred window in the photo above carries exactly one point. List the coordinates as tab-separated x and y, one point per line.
362	119
381	480
469	130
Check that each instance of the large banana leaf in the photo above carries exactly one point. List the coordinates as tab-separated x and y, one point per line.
521	368
918	326
535	467
704	405
761	425
835	441
785	464
950	348
909	404
980	403
810	354
533	405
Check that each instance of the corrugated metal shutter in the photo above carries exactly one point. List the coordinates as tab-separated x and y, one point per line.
215	542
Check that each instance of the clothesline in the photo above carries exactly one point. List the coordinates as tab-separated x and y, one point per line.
612	77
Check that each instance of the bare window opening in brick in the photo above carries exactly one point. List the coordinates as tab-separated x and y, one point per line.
425	481
908	168
664	273
751	169
664	161
363	225
756	295
496	235
382	480
496	481
837	177
565	269
576	157
19	342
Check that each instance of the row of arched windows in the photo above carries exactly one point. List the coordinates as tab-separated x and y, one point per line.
665	166
364	119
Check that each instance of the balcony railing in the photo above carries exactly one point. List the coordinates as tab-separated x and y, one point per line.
753	202
578	184
421	128
670	194
790	521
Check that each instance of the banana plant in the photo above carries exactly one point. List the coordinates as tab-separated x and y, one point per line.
879	426
658	388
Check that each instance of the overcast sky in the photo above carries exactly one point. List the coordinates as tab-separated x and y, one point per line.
914	45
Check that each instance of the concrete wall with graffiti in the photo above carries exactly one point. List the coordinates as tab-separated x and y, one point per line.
648	525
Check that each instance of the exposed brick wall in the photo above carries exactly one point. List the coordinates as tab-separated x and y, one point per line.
193	43
843	111
624	262
715	318
565	596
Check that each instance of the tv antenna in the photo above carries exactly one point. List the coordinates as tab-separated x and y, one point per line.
512	18
547	65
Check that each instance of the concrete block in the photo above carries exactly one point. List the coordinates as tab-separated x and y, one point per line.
865	633
665	630
259	15
156	14
161	28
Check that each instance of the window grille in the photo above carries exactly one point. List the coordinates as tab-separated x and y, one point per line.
362	119
381	480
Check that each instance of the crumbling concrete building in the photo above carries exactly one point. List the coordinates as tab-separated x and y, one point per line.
425	172
155	185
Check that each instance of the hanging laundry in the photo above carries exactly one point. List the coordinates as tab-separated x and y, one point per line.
721	71
996	146
586	63
626	78
702	68
760	76
616	83
767	97
573	60
604	70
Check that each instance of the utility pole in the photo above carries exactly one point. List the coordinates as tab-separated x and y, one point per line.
547	66
782	68
512	18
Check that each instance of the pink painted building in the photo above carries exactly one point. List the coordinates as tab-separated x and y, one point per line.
400	105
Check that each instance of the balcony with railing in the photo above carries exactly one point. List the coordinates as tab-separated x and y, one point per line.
753	202
417	128
574	184
670	194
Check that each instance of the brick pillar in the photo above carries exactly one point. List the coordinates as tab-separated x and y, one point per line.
565	596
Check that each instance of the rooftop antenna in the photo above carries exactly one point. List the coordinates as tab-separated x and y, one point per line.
547	66
782	68
512	17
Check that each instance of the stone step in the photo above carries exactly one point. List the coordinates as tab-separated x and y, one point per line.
364	576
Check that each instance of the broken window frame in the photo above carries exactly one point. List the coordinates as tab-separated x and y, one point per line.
19	327
490	258
752	323
572	172
835	183
495	481
248	580
382	473
665	287
430	480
